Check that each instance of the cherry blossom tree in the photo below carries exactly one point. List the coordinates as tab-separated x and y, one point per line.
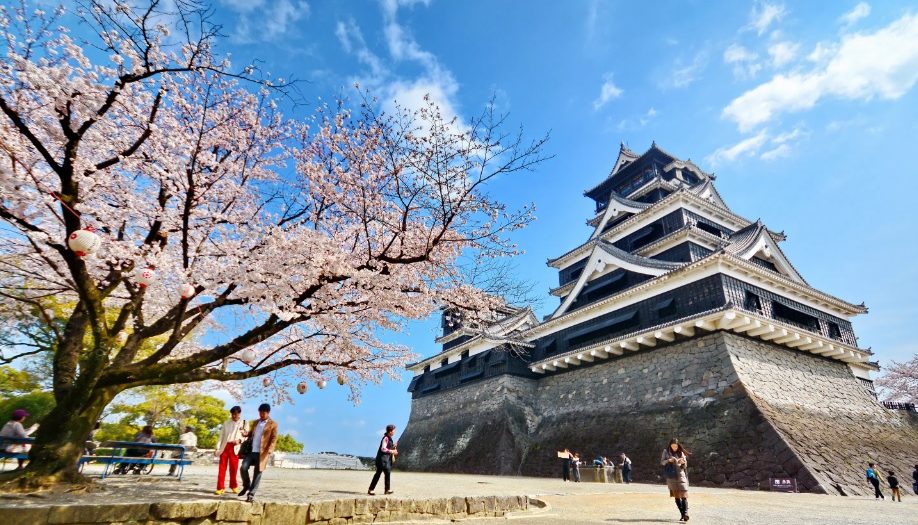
243	243
899	381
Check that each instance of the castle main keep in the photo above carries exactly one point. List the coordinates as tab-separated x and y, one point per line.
677	317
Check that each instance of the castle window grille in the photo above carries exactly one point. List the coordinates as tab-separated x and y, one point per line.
794	317
666	308
834	331
753	303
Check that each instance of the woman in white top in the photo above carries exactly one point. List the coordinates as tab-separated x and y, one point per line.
231	435
13	428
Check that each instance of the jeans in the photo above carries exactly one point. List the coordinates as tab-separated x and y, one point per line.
228	457
626	475
381	470
876	488
250	460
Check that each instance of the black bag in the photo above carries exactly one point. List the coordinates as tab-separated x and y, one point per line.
669	471
246	447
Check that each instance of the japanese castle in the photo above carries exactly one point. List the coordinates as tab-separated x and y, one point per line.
667	260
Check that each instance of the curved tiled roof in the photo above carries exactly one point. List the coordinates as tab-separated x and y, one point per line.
638	260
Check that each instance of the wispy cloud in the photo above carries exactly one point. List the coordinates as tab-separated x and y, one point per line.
745	62
763	15
608	92
763	145
861	10
883	64
639	122
782	53
261	21
682	73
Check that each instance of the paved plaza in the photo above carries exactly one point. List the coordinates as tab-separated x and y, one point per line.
567	502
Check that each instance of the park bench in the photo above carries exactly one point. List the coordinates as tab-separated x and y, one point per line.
111	461
117	456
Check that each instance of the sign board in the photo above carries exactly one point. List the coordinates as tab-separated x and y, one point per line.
783	484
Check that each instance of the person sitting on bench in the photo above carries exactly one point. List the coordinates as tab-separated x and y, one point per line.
13	428
144	436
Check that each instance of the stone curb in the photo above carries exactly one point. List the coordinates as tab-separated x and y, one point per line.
330	512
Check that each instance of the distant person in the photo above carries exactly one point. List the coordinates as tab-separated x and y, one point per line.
575	467
626	468
894	486
144	436
263	434
187	439
231	435
873	477
566	465
14	429
91	443
385	456
675	461
915	480
599	462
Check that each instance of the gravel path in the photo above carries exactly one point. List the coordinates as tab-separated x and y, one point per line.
570	502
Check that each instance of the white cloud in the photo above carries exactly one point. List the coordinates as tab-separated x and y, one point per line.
682	74
783	53
258	21
639	122
861	10
883	64
764	14
747	146
745	62
608	92
774	146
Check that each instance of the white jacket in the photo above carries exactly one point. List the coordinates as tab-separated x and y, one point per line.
231	432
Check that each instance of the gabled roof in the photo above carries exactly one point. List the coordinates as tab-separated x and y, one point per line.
617	204
606	255
754	239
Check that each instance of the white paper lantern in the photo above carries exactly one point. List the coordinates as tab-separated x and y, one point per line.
302	387
121	337
342	379
146	277
186	291
247	356
84	242
321	384
266	381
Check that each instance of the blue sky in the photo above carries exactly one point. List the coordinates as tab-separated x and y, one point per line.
806	112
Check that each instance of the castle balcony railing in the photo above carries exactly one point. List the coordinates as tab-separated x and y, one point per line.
894	405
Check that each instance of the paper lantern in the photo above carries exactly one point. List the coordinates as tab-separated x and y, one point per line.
186	291
266	381
321	384
84	242
247	356
302	387
342	379
121	337
146	277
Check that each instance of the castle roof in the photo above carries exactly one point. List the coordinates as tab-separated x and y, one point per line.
627	158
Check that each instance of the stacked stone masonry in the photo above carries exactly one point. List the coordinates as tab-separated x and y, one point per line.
746	410
331	512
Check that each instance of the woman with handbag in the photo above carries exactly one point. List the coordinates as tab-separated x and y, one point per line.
675	461
385	456
232	434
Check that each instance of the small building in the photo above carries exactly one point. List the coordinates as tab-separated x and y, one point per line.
675	317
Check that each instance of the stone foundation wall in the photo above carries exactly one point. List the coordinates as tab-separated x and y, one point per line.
746	411
332	512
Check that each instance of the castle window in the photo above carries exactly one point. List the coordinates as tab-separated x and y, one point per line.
753	303
794	317
703	226
463	355
666	308
604	329
834	331
444	361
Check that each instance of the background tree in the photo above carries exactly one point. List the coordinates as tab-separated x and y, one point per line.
899	381
287	443
21	389
288	248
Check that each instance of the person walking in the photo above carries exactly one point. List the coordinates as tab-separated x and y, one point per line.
566	465
263	434
626	468
575	467
187	439
894	486
14	429
873	477
675	461
231	435
385	456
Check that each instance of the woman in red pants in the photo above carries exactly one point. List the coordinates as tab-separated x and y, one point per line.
231	435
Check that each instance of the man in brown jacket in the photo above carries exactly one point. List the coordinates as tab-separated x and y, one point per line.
263	433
